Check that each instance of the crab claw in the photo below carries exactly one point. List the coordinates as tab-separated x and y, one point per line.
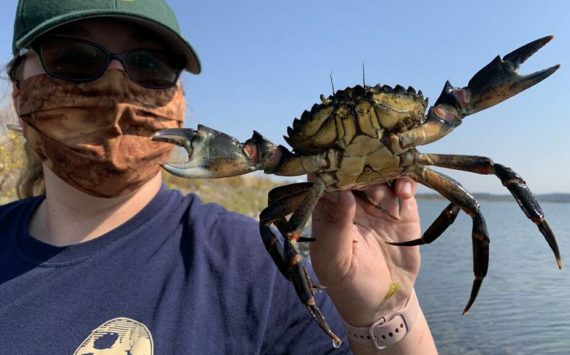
496	82
213	154
210	153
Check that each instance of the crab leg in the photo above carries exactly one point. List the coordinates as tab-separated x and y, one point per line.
280	204
444	220
496	82
292	259
454	192
284	200
516	185
275	249
280	192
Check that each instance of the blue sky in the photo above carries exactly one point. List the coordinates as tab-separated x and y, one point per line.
264	62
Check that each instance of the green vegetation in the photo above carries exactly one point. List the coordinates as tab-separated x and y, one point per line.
244	194
10	164
11	154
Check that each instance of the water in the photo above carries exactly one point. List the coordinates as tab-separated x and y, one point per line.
524	304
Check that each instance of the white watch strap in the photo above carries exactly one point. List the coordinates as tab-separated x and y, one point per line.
389	329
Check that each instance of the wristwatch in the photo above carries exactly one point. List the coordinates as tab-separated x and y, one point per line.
389	329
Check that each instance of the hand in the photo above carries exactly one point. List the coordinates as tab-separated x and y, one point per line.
365	277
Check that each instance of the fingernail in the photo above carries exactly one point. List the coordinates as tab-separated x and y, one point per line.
406	189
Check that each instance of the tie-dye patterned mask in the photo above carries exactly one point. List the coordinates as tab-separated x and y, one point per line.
95	135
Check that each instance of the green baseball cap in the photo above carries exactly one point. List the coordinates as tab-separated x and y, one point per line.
36	17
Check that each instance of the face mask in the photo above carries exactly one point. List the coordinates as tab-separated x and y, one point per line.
95	135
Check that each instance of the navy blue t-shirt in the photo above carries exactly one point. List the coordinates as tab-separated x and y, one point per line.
180	277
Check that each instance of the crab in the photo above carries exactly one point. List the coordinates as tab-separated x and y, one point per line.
366	135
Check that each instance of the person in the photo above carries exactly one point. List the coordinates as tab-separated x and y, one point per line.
106	259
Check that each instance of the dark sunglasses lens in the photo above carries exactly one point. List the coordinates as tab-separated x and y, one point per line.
70	59
152	68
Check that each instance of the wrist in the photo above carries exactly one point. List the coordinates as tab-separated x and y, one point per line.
388	329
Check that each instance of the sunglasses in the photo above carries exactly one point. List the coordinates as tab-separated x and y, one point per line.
79	61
